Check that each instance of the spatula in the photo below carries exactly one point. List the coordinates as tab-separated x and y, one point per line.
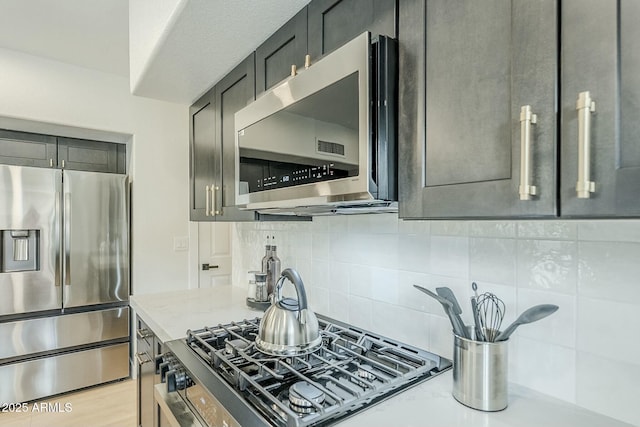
530	315
458	328
448	294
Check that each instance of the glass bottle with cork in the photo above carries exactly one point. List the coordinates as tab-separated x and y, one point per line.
273	267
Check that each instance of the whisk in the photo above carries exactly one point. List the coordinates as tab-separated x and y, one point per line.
490	313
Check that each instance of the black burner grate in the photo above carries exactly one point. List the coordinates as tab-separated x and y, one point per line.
353	369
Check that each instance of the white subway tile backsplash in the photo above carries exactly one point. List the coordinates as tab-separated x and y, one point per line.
360	312
414	227
376	224
339	224
320	224
557	230
449	228
547	368
609	270
343	248
440	336
609	329
384	285
360	269
338	306
547	264
493	260
360	280
414	251
497	229
320	246
339	276
318	300
301	245
449	256
610	231
608	387
320	274
400	323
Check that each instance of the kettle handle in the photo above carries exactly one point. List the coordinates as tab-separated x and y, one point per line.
294	277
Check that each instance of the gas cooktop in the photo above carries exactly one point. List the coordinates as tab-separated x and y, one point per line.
352	370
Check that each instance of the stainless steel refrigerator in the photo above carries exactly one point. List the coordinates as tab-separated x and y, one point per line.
64	281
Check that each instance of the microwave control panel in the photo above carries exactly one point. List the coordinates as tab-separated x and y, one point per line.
269	175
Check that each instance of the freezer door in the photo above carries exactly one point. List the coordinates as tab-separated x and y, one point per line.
29	230
95	238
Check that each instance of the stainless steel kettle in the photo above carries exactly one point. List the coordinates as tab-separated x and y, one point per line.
289	327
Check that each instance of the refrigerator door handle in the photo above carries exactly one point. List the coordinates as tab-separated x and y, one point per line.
58	243
67	239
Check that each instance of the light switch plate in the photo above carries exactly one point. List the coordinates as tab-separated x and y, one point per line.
180	244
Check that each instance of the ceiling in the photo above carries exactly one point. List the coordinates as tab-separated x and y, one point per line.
89	33
202	40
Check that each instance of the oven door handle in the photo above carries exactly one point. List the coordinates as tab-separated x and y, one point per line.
173	408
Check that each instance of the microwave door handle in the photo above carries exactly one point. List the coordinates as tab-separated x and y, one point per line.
385	143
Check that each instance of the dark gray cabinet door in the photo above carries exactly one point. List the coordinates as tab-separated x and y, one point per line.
27	149
95	156
235	91
204	170
605	61
467	70
286	47
145	373
332	23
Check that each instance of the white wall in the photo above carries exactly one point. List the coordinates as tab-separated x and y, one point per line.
361	269
54	96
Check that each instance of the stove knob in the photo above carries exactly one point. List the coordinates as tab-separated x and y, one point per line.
159	361
162	370
171	381
177	379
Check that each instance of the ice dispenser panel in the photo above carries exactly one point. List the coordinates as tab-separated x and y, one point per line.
19	250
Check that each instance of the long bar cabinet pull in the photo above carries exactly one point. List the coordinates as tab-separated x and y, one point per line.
206	201
585	106
214	211
527	118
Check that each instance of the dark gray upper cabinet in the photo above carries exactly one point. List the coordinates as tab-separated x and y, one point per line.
27	149
235	91
202	155
601	55
332	23
467	70
95	156
30	149
286	47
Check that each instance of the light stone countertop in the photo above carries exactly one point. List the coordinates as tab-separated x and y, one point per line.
428	404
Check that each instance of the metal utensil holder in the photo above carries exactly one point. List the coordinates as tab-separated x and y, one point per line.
480	373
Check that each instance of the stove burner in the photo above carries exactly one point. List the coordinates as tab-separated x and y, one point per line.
232	346
364	372
301	394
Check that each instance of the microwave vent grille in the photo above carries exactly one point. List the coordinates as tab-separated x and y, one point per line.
330	148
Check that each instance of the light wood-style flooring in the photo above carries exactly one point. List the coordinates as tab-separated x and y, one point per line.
112	405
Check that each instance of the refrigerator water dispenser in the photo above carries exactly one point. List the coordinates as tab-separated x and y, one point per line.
19	250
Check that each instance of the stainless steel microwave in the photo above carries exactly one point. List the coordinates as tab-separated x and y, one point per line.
324	140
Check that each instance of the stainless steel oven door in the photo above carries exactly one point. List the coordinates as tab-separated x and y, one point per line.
172	410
